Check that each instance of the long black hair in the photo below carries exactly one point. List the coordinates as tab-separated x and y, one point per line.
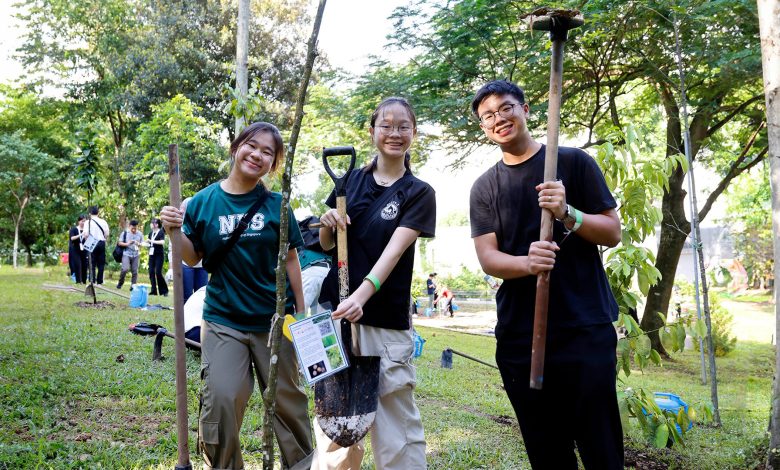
385	103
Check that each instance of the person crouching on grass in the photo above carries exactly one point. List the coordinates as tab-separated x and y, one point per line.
578	404
241	302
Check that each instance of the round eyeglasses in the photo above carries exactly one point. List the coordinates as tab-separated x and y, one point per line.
403	129
488	119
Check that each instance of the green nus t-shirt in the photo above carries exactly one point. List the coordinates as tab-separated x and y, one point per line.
241	293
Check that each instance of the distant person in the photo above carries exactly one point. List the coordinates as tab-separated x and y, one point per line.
579	363
445	300
157	258
130	240
430	286
76	256
98	229
315	264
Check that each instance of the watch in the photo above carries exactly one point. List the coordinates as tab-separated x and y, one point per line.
568	218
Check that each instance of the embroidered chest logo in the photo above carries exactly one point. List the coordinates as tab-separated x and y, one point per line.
390	211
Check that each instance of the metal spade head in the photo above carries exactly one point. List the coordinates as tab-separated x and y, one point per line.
557	22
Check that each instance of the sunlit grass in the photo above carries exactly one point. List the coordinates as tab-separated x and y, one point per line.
67	401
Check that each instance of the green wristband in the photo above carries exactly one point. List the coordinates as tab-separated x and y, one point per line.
373	280
578	220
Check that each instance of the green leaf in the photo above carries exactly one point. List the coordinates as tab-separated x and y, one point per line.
655	357
661	436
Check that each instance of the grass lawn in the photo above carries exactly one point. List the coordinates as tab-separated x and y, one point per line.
77	390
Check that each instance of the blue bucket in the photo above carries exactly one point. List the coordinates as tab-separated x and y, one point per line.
138	296
419	342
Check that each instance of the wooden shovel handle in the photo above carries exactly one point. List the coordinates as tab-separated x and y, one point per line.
341	247
178	314
546	232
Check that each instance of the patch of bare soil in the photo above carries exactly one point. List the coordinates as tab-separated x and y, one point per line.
658	459
100	305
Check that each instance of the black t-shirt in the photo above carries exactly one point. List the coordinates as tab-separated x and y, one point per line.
75	245
504	201
375	212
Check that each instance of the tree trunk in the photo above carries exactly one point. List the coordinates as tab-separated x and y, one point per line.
769	21
675	228
17	223
242	59
269	395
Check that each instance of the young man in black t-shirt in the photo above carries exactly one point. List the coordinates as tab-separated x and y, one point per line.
578	403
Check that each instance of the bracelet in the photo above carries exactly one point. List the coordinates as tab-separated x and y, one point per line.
578	219
373	280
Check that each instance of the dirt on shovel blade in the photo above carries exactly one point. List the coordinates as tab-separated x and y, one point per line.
345	403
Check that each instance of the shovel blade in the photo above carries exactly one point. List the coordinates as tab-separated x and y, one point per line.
90	290
345	403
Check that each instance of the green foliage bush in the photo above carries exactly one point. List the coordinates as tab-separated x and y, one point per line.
722	320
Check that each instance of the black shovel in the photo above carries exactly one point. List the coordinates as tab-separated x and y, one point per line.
345	403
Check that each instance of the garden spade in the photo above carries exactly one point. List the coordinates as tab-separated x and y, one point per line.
345	403
558	23
178	316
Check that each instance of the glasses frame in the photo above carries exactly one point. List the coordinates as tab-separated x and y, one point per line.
488	119
386	129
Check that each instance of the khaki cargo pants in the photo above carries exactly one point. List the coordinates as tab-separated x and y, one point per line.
397	438
229	361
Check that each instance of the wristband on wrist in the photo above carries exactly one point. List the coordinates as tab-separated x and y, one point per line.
373	280
578	219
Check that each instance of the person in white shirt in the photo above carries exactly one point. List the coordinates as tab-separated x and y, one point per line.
98	228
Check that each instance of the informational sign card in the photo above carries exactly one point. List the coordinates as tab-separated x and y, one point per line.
319	350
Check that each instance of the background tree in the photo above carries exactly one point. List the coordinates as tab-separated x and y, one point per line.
200	154
26	175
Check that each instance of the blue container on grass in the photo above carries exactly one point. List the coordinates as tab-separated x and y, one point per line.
139	296
419	342
671	402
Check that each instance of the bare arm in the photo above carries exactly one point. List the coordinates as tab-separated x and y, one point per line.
541	257
172	217
294	275
352	307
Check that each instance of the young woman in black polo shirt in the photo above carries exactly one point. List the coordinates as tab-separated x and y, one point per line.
387	210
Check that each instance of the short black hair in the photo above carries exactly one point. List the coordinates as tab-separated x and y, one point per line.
133	222
496	87
82	217
93	210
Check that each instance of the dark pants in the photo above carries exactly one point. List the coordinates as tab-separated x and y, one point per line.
98	262
193	279
156	276
577	404
75	261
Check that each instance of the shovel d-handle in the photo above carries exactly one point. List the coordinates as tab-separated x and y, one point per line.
339	181
558	23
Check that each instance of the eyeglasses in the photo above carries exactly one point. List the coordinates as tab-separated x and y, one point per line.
488	120
403	129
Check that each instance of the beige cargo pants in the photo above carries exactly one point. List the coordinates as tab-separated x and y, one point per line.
397	439
229	361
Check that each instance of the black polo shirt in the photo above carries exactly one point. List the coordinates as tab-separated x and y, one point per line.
375	212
